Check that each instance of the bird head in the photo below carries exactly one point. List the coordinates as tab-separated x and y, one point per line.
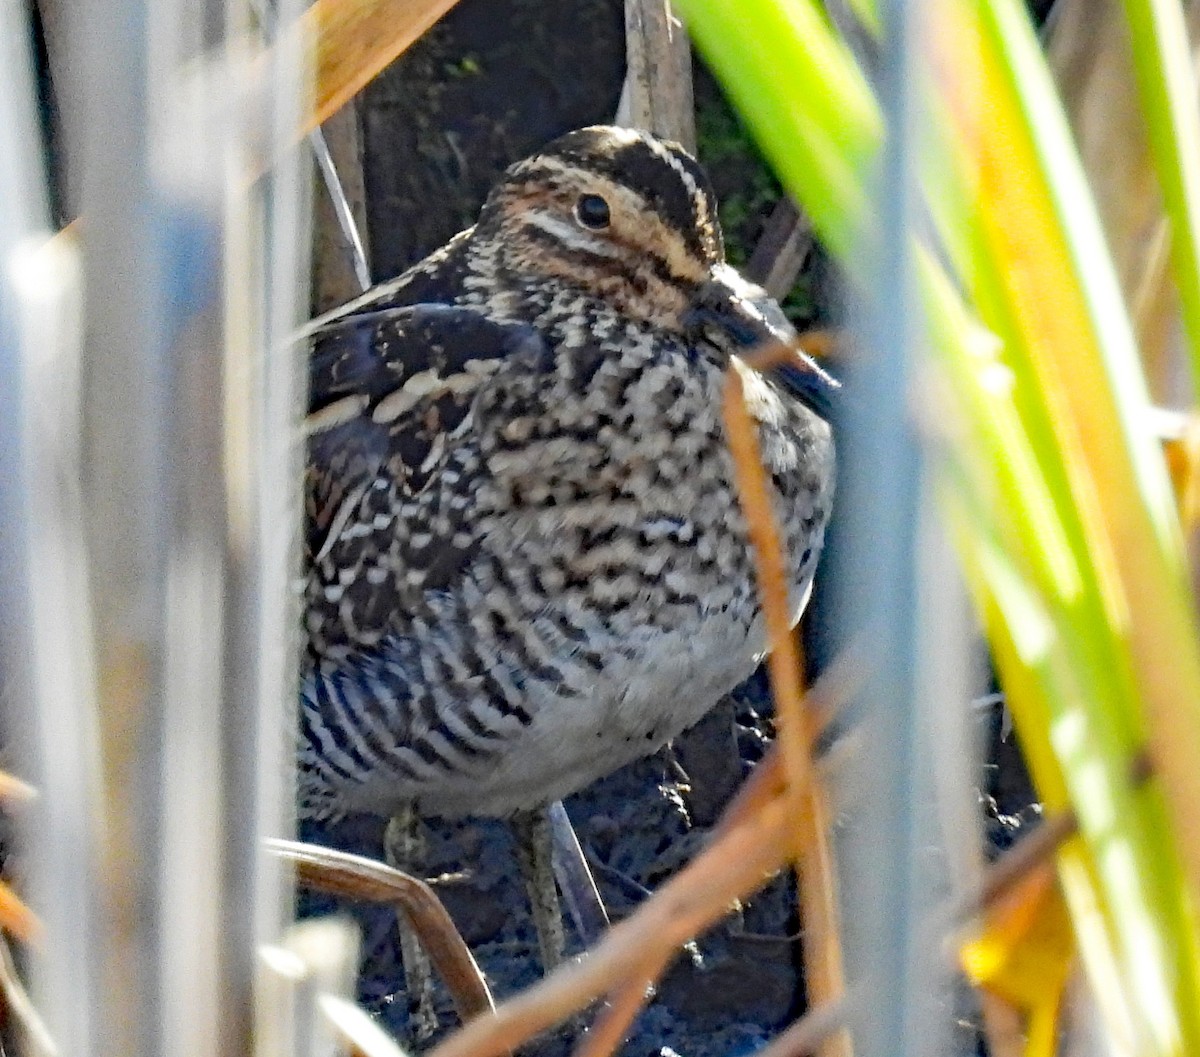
631	220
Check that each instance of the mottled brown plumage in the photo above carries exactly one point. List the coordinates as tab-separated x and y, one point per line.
526	564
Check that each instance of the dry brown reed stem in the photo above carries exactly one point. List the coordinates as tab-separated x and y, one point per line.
820	344
825	972
740	861
14	791
355	877
613	1023
808	1033
354	40
17	918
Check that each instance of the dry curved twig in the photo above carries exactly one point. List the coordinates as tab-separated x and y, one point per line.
356	877
739	862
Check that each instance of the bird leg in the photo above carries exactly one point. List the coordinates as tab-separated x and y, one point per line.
534	853
404	849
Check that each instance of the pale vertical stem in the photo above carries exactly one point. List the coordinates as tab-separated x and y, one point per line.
658	80
191	519
341	264
876	576
266	289
45	633
126	400
949	670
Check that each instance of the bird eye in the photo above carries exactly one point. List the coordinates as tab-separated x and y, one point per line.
592	212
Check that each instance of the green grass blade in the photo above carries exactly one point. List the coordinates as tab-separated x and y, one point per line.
1166	81
805	99
1071	515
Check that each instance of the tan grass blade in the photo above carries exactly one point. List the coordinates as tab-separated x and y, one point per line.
17	918
14	791
355	39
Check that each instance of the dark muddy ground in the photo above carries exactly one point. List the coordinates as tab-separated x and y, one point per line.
637	827
740	983
496	79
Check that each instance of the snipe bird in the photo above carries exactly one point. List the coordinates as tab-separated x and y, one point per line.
526	562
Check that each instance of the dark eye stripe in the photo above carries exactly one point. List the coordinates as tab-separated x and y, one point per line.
602	263
646	259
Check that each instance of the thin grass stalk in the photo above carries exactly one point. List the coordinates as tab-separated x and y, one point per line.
785	69
824	968
266	398
1166	83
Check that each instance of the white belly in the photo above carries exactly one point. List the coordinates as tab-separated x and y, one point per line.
635	708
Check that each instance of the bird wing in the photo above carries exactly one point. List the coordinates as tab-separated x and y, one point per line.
388	477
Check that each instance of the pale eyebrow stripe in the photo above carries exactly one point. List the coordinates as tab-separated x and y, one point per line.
570	235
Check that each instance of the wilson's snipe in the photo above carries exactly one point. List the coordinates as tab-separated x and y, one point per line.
526	563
